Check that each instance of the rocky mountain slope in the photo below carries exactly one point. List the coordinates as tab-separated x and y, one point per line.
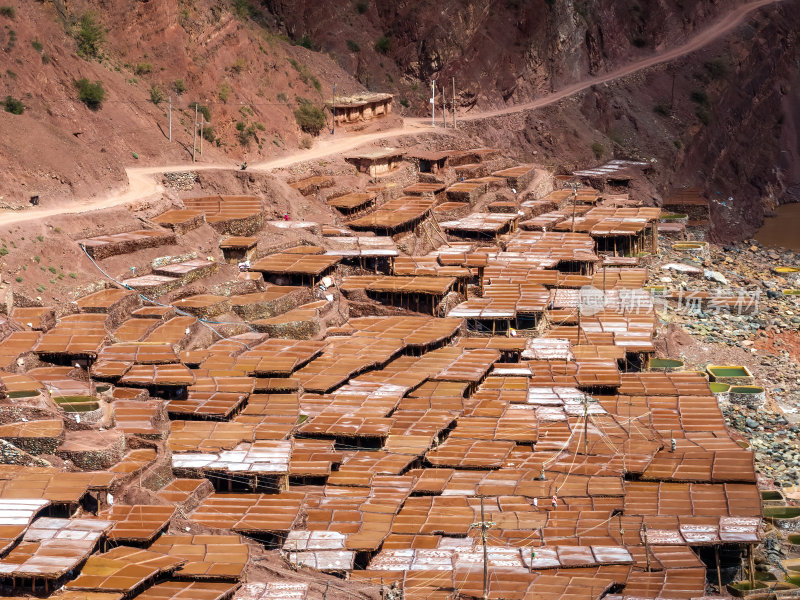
721	119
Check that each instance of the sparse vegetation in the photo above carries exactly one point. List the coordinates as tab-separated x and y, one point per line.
52	269
37	45
662	109
310	118
699	97
13	106
404	102
703	114
208	133
717	68
238	66
12	40
306	142
383	44
305	42
18	279
179	86
73	275
8	11
91	94
3	251
40	288
282	97
305	75
225	92
90	36
202	109
143	68
362	6
598	149
248	132
243	9
37	259
353	46
156	95
40	238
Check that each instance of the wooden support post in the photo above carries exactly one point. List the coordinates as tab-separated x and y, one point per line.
719	572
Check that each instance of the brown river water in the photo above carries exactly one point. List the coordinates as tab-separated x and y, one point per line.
782	230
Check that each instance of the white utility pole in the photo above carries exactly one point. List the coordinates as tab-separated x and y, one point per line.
454	102
433	103
194	137
444	110
202	121
170	118
333	111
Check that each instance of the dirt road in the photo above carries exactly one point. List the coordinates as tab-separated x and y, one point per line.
142	184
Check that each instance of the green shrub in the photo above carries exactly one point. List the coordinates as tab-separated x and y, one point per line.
90	36
179	86
143	68
208	133
225	92
238	65
306	142
282	97
202	109
91	94
310	118
717	68
13	106
52	269
243	9
8	11
37	258
248	132
18	279
3	251
703	115
353	46
12	40
40	238
156	95
305	42
598	149
699	97
383	44
662	109
73	275
37	45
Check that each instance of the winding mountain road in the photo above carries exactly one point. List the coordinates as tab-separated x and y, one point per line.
142	184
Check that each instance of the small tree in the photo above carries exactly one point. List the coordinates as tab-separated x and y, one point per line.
90	36
383	44
156	95
13	106
310	118
91	94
